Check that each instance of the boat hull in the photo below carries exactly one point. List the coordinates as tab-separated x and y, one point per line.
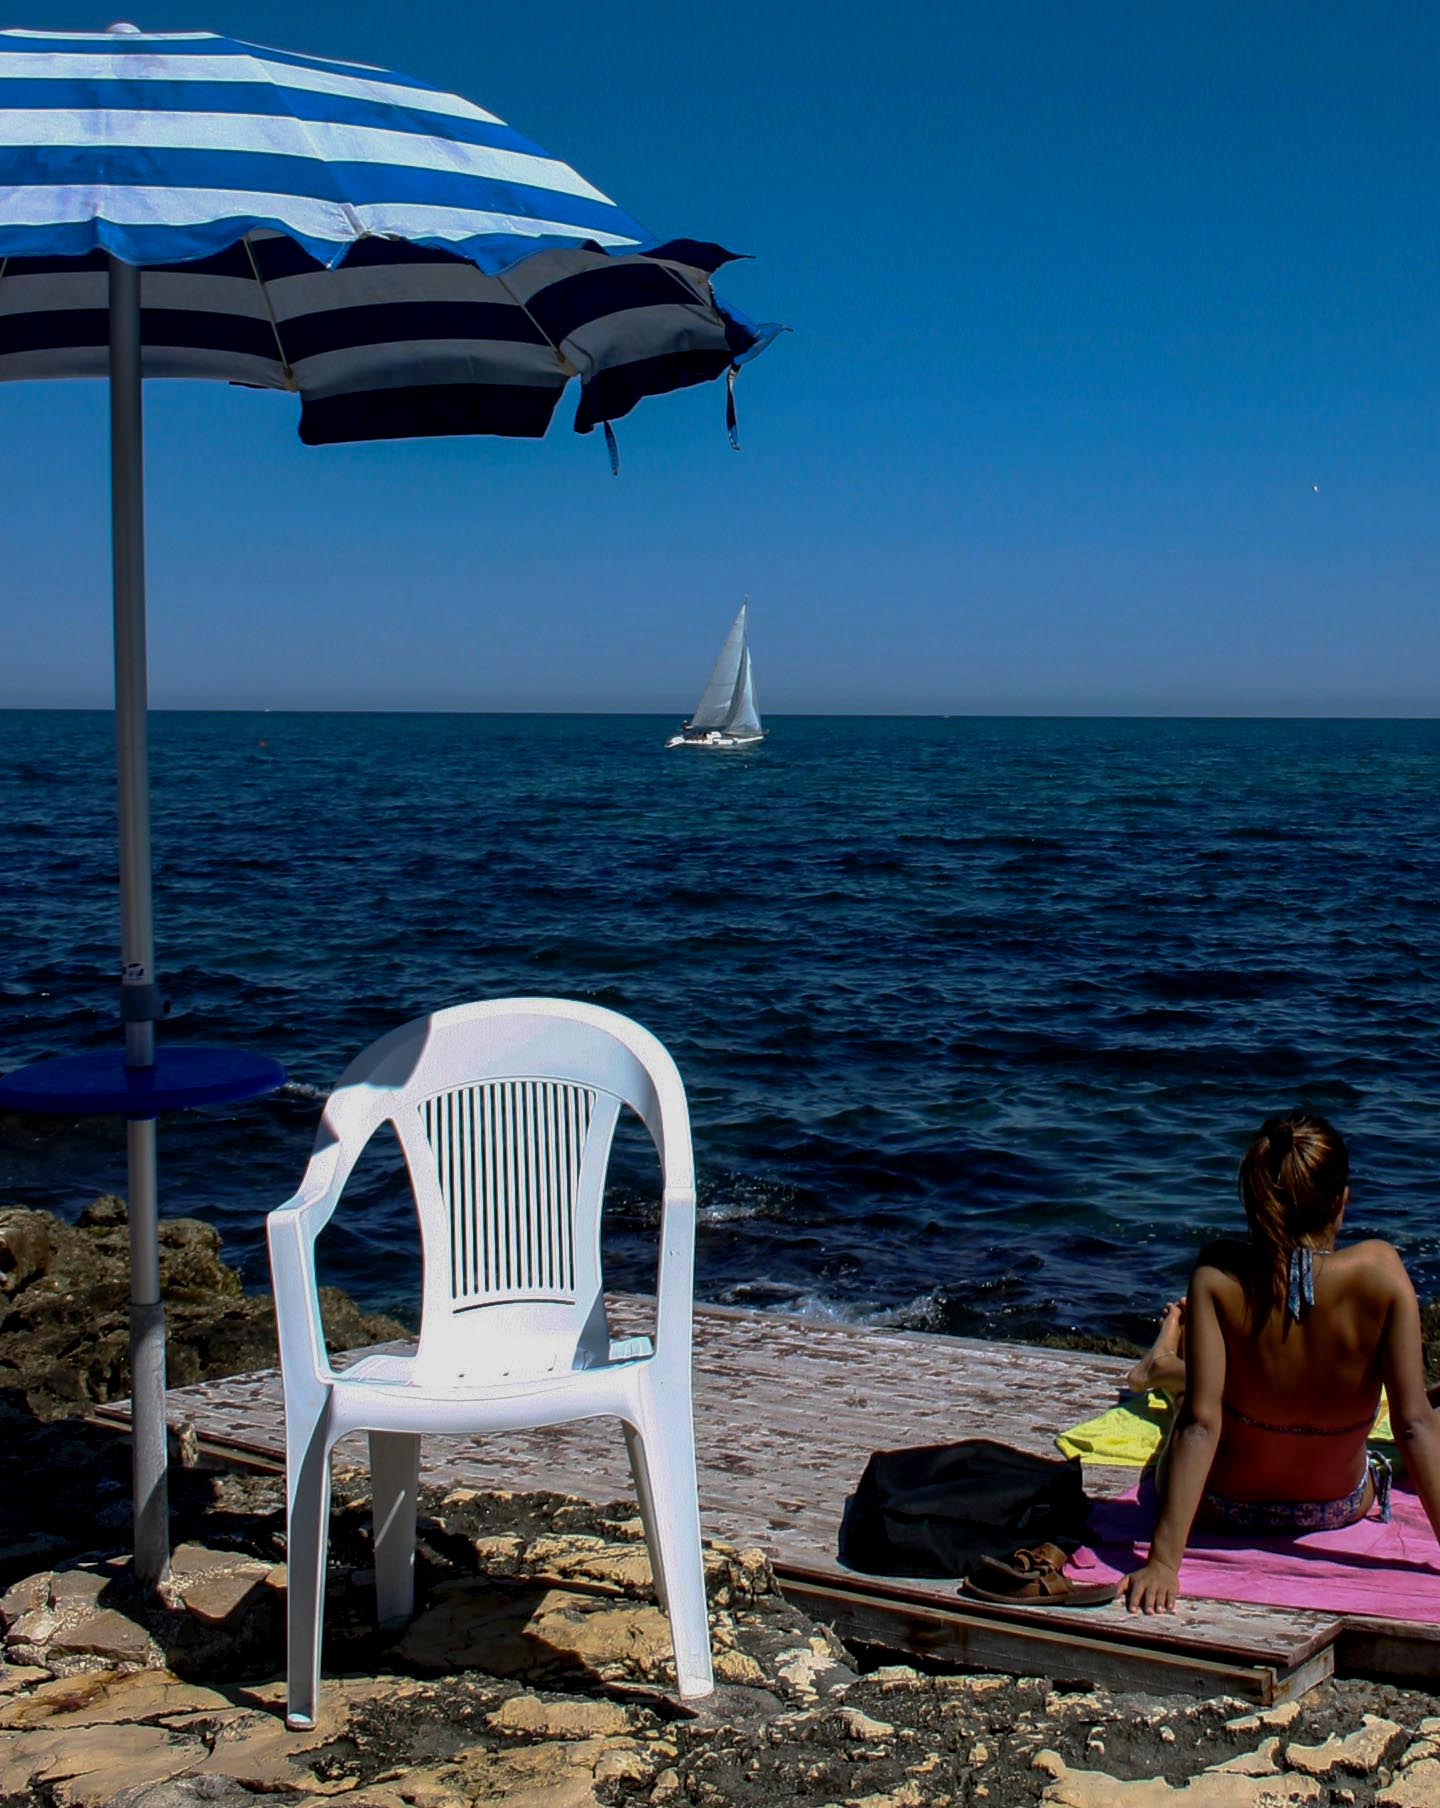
716	742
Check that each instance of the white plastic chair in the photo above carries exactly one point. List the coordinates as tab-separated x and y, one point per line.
505	1112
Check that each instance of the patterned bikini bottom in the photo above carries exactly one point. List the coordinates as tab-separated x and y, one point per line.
1304	1515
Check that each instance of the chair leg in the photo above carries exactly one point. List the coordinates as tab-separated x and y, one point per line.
307	1529
394	1485
639	1469
666	1447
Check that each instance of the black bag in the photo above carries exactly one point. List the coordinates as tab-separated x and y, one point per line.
937	1510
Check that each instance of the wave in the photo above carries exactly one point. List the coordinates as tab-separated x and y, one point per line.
302	1089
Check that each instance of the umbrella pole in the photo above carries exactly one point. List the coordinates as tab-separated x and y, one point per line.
137	934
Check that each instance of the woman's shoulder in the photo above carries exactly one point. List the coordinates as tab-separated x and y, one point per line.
1373	1260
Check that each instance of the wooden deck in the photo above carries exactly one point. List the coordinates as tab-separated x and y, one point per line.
786	1412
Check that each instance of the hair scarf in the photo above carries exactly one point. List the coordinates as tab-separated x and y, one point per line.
1302	1281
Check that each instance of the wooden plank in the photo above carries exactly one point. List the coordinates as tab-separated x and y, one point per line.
974	1640
787	1411
1244	1634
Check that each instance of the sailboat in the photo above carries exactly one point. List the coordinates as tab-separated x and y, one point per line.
726	715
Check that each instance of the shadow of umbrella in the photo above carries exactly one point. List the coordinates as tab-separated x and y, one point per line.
184	205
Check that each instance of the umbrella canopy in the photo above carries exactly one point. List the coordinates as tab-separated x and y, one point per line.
182	205
400	258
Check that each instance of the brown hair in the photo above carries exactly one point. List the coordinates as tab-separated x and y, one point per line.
1292	1181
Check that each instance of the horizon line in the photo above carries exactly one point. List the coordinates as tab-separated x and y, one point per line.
855	715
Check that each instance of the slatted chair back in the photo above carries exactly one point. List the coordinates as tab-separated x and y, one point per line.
505	1112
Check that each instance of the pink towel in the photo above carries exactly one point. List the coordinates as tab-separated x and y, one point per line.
1386	1571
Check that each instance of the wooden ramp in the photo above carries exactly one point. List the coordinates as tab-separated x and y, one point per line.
786	1412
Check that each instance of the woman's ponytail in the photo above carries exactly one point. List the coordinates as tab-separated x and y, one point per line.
1292	1181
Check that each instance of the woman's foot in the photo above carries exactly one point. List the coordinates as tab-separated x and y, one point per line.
1163	1365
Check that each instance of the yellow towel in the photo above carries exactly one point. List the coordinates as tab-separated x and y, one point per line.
1129	1435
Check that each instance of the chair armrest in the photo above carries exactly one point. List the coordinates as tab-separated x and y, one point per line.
675	1285
290	1231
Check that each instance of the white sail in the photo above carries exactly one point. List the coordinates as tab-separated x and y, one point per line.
720	695
744	715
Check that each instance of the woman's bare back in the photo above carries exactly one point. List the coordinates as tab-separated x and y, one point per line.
1300	1395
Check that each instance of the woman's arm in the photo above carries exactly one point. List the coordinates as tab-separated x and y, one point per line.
1153	1588
1402	1367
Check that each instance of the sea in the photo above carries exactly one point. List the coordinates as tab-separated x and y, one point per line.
976	1016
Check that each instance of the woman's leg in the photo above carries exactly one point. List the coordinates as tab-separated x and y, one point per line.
1163	1365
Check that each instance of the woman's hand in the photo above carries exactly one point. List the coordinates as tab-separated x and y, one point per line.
1151	1589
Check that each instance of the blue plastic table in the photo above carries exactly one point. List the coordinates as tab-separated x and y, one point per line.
99	1084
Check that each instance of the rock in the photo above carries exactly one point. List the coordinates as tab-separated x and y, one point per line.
1360	1752
107	1636
502	1551
90	1772
738	1667
107	1697
215	1598
535	1776
633	1640
64	1342
974	1685
622	1567
1416	1787
1069	1788
861	1727
27	1596
105	1213
190	1792
258	1750
802	1668
559	1719
1258	1763
21	1676
76	1590
477	1625
622	1764
908	1795
63	1626
1276	1718
25	1244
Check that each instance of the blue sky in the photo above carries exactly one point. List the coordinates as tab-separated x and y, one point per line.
1113	386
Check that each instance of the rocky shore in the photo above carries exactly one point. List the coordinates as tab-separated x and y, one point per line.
65	1303
536	1671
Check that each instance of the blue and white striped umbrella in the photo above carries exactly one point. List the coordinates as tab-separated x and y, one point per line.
402	259
181	205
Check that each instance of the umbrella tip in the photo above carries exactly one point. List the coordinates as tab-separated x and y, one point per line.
121	29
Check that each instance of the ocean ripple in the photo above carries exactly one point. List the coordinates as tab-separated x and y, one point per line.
975	1017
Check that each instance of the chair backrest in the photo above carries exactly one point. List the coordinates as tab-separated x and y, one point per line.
505	1112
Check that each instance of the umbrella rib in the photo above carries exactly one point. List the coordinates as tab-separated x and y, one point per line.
285	366
560	358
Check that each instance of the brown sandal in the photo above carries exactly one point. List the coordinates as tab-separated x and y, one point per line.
1035	1576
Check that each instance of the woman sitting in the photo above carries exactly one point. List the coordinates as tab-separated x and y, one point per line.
1287	1343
